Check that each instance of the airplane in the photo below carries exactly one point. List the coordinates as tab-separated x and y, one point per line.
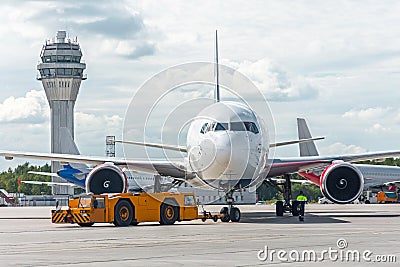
375	176
227	149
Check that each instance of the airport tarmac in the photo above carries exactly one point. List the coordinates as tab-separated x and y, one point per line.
28	238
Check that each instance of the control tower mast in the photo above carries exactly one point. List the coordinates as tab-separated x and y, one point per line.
61	73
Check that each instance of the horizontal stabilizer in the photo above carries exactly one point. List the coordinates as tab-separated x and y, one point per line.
296	141
44	173
48	183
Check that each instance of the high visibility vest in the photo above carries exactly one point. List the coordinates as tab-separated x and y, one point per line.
301	198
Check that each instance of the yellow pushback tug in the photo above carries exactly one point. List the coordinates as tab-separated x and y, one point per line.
130	209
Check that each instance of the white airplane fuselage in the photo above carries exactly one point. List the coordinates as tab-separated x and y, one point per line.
142	181
227	145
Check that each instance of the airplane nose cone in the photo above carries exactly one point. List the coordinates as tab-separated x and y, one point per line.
225	157
202	156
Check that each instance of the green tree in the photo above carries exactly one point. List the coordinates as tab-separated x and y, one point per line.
10	179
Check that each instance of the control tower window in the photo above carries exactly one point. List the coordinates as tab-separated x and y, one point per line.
60	72
53	59
68	71
67	58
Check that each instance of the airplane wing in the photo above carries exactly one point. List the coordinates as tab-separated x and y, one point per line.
48	183
175	169
281	166
309	157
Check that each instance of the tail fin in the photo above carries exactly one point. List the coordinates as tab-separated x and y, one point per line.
306	148
68	145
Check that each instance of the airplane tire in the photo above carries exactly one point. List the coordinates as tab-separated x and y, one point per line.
235	214
279	208
225	217
215	218
123	213
367	202
168	214
295	208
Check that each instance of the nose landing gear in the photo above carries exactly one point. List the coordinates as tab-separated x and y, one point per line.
230	213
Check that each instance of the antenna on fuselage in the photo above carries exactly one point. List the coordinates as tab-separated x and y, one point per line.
216	93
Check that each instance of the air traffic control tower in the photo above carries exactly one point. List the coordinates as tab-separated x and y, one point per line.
61	73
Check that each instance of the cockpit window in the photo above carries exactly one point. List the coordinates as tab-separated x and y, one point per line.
251	127
237	126
221	127
204	128
233	126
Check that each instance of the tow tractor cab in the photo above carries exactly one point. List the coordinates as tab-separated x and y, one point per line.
130	209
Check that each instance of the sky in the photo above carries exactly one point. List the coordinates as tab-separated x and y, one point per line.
335	63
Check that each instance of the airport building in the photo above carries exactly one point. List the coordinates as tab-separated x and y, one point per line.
61	73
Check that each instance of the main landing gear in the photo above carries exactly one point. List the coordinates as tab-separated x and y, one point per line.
286	205
230	213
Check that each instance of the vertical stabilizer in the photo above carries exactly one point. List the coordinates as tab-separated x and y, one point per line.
216	95
67	143
306	148
68	146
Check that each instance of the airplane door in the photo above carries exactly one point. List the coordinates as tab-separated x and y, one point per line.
99	210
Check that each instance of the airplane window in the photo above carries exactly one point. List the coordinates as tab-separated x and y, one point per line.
221	127
237	126
203	129
251	127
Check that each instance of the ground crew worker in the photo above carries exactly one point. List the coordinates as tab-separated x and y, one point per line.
302	199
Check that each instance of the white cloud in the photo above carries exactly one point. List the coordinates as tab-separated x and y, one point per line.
340	148
33	108
91	122
274	82
377	128
368	114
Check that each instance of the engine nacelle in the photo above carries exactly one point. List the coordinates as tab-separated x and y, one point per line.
106	178
341	182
